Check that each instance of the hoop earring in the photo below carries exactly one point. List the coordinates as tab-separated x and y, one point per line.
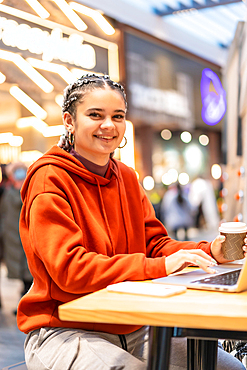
121	147
71	139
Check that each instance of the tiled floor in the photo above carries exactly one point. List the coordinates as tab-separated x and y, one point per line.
11	339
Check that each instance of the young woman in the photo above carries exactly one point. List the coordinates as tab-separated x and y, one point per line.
86	223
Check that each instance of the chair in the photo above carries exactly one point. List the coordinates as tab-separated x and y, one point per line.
19	366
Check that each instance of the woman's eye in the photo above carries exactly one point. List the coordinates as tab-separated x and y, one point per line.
119	116
94	114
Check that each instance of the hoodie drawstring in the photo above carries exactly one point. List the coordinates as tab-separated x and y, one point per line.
121	196
104	213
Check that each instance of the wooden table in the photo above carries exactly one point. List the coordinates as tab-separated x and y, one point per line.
201	316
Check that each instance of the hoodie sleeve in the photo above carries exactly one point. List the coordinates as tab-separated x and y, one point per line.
57	242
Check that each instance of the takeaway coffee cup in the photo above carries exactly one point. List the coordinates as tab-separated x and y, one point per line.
235	233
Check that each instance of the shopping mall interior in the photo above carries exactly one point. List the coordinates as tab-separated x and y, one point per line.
159	52
183	65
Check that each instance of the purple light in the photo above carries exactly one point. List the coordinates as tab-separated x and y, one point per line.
213	103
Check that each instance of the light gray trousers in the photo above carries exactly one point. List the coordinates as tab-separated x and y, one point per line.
75	349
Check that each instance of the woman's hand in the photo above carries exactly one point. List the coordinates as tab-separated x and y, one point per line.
187	257
216	249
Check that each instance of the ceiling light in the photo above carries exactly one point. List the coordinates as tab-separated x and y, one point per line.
9	138
71	15
30	156
127	154
96	16
32	121
2	78
26	68
41	126
60	69
5	137
59	100
16	141
38	8
28	102
56	130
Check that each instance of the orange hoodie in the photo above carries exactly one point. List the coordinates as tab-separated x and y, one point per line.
81	232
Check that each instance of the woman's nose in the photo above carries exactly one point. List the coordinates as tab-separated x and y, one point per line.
107	123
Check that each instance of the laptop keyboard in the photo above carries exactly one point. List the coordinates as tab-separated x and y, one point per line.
228	278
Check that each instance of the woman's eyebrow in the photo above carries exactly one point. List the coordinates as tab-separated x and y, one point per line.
95	109
101	110
119	110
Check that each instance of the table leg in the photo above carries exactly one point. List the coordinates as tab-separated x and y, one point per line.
159	348
201	354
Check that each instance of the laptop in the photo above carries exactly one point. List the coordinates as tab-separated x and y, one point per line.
230	277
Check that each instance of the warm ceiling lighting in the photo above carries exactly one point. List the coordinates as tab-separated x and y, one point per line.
26	68
41	126
59	100
5	137
9	138
56	130
127	153
16	141
95	15
28	102
38	8
71	15
63	71
34	122
2	78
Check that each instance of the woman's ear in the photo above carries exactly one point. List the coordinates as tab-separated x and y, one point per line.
68	122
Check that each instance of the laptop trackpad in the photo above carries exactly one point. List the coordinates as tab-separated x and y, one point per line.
183	278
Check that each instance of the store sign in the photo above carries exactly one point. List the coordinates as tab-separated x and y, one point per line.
169	102
213	102
51	45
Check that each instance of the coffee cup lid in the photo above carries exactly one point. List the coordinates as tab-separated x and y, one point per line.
233	227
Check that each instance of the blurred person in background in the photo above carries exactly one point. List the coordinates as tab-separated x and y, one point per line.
10	206
176	211
203	200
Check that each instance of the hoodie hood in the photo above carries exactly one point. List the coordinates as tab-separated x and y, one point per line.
60	158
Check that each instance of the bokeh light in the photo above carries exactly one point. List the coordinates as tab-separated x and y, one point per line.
166	134
173	174
203	140
167	179
216	171
186	137
183	178
148	183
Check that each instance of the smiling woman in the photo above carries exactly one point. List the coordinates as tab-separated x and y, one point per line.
98	124
95	121
100	229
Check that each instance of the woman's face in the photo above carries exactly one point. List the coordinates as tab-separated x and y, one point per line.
99	126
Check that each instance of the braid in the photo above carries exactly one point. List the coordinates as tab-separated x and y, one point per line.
75	92
77	89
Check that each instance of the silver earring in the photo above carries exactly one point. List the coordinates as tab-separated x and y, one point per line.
71	138
121	147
